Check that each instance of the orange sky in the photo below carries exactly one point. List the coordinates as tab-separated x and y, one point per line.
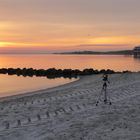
69	25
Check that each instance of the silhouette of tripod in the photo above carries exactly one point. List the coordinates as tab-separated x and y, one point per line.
106	95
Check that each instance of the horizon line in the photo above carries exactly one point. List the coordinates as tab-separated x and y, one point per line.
64	51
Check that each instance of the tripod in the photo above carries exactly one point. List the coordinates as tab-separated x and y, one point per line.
106	95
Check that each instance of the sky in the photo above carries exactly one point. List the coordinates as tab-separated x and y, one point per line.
68	25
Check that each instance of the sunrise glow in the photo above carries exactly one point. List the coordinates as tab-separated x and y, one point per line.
69	24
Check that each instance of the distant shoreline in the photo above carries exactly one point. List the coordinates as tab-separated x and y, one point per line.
121	52
85	52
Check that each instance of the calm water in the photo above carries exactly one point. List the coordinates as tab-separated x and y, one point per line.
10	85
13	85
114	62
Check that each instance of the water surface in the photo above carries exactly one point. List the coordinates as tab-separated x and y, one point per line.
115	62
11	85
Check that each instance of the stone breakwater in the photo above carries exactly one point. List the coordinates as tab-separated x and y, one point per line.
55	73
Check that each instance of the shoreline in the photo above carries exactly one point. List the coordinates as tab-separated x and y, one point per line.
34	92
69	112
45	90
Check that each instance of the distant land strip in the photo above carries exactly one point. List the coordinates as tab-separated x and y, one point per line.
122	52
52	73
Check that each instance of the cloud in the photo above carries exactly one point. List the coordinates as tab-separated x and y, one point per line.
63	22
102	45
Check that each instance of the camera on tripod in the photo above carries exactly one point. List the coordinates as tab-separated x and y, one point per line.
104	90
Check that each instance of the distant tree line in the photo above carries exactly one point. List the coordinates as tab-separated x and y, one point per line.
121	52
54	73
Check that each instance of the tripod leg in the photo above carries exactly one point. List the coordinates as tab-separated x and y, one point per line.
99	97
110	103
105	95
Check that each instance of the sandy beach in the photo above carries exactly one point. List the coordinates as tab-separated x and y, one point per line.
69	112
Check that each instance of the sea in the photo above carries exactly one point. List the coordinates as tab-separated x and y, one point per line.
14	85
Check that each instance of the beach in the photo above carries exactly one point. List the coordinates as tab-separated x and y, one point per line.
69	112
